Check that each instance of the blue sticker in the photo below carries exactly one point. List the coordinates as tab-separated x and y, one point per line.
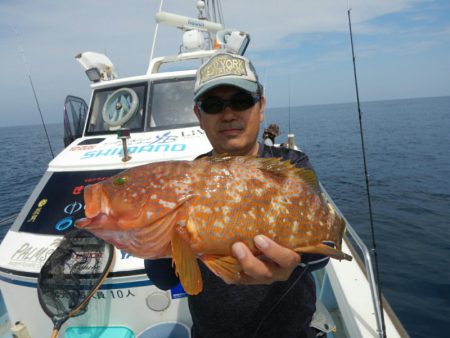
64	224
178	292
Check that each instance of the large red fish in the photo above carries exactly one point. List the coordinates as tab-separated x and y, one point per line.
198	209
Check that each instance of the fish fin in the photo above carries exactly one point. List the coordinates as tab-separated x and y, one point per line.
279	167
309	176
324	249
217	158
186	265
225	267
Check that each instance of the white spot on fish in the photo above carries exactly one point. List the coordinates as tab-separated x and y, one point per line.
271	220
149	214
167	204
207	210
226	210
258	192
217	224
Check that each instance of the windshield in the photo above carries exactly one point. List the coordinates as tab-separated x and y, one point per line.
171	104
118	107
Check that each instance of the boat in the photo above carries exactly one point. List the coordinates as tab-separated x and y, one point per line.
129	122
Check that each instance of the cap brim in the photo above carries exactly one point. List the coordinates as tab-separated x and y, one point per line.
246	85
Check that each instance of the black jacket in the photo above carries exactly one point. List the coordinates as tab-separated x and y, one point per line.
223	310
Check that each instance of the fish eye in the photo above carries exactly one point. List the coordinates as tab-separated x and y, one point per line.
120	180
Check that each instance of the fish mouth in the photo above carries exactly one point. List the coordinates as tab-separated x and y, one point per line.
95	201
96	209
97	222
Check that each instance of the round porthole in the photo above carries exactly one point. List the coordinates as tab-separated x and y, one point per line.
120	107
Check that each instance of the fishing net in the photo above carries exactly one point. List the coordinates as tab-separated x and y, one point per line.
72	274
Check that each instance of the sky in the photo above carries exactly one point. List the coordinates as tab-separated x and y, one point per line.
300	48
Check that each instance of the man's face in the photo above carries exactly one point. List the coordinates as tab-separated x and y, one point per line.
229	131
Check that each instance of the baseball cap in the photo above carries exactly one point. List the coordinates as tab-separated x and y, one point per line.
226	69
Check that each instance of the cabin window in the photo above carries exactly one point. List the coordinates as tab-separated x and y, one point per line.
117	107
171	104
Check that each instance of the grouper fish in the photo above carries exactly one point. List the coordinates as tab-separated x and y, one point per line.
198	209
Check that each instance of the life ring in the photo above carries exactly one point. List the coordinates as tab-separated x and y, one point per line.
120	107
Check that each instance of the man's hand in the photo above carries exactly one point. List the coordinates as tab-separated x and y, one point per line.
276	264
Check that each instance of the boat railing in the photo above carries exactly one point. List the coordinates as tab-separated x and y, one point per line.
368	265
8	219
5	224
156	63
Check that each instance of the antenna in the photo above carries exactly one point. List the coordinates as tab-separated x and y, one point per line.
380	318
155	34
34	91
289	103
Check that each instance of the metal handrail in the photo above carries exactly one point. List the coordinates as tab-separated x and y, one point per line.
8	219
368	265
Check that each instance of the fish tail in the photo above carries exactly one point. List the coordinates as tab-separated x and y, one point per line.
342	228
324	249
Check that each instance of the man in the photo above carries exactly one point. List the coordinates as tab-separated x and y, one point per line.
278	299
270	133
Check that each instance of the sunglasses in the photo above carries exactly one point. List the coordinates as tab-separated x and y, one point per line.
238	102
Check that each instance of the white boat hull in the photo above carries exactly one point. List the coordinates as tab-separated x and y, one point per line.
126	299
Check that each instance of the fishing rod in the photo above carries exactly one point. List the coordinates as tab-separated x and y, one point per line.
289	104
34	91
380	318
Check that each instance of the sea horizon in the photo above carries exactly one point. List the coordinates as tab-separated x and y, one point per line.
37	123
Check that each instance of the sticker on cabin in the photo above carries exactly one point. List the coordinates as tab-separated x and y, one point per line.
147	148
60	202
32	254
37	211
178	292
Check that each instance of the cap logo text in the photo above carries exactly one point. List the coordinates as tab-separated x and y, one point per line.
222	65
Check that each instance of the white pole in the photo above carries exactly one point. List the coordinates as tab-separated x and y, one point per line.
154	35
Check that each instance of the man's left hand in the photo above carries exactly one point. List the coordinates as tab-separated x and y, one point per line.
275	264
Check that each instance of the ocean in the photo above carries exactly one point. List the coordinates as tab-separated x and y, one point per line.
408	156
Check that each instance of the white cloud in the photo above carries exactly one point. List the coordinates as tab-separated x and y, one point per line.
53	32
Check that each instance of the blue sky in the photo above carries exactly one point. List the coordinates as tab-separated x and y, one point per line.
300	48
